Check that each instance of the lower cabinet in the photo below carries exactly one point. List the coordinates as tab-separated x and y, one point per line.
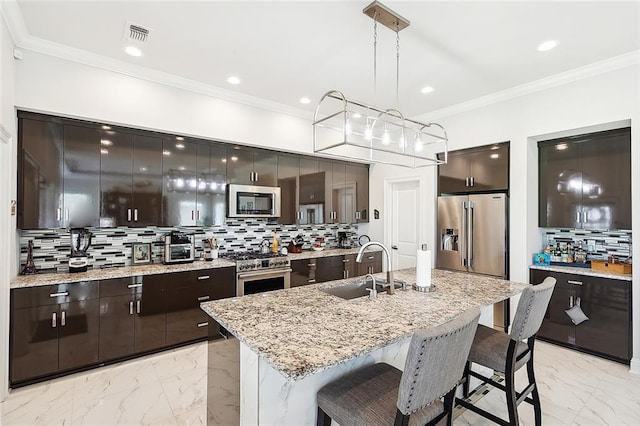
132	315
605	301
185	291
330	268
53	329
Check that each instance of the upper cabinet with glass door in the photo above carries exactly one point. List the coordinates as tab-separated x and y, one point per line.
585	181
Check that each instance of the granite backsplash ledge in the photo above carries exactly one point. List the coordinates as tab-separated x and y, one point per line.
112	246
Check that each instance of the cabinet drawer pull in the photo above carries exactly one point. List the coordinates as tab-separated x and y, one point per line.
134	285
138	306
370	257
311	281
64	293
203	298
54	316
204	277
202	324
131	308
63	318
310	265
345	261
575	282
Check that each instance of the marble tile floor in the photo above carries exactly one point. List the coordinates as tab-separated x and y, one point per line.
170	389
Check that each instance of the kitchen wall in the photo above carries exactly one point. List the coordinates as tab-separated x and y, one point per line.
7	193
112	246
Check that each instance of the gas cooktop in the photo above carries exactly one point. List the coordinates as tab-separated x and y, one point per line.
250	255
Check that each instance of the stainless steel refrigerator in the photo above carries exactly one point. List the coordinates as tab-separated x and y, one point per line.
473	237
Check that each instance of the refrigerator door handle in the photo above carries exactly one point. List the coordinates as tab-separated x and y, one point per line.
470	234
463	231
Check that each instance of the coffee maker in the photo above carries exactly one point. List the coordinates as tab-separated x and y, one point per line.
343	240
80	242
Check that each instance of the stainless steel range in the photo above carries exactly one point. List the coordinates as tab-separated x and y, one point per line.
258	272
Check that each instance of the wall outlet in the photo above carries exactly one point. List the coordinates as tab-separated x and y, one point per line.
14	206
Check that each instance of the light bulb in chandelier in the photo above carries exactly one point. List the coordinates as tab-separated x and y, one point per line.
402	141
417	144
347	126
386	138
368	132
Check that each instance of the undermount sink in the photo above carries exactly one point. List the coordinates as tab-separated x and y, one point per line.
355	290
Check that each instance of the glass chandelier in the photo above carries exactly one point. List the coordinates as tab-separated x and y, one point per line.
348	129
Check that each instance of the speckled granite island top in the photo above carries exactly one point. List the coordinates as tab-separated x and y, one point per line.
109	273
301	331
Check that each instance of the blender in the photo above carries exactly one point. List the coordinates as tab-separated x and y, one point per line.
80	242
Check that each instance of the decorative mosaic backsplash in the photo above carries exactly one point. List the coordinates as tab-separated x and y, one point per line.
112	246
598	244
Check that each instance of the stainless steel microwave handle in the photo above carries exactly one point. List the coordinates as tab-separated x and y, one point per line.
263	274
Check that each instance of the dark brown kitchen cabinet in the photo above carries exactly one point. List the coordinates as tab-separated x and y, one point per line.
371	263
359	173
479	169
59	173
248	166
40	172
132	315
303	272
339	198
130	179
329	268
212	182
311	206
53	329
185	291
576	191
607	304
288	172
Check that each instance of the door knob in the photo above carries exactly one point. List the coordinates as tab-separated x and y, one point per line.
394	247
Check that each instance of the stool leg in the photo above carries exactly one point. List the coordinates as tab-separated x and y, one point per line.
465	383
535	396
448	405
323	419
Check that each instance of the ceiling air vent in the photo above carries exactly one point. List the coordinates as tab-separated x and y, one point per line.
135	32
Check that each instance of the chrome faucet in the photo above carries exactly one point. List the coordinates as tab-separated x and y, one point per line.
373	292
389	284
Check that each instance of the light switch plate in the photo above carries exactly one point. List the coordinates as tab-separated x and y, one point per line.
14	205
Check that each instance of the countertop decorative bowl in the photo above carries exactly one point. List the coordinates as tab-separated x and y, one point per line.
318	248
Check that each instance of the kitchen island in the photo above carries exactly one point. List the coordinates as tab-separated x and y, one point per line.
291	342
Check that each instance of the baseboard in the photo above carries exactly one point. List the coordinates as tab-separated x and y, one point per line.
634	366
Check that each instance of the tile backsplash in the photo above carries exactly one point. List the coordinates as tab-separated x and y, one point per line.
112	246
598	244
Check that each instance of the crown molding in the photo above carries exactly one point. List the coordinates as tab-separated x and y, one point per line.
576	74
23	40
5	135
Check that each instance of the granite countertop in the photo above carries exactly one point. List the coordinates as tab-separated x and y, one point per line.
118	272
156	268
302	330
582	271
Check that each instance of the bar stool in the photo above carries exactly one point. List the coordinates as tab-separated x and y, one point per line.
506	353
380	394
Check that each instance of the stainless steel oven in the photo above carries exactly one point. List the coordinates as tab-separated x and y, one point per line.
257	272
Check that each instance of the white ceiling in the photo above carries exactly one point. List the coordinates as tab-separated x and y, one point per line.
283	51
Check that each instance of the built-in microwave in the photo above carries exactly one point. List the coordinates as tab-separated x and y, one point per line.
253	201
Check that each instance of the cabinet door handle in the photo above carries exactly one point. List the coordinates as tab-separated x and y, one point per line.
204	277
135	215
66	214
134	285
311	281
54	317
58	214
257	176
203	298
574	282
192	215
578	217
128	215
344	274
571	301
197	214
311	265
472	180
63	318
63	293
203	324
370	257
347	272
585	217
138	306
131	308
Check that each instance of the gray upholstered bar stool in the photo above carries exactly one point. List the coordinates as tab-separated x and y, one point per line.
380	394
506	353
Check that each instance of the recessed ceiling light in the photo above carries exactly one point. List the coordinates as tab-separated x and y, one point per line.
133	51
547	45
233	80
356	115
305	101
426	89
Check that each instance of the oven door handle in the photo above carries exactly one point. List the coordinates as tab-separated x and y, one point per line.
264	274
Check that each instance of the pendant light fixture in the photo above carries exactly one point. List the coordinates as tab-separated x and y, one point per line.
344	128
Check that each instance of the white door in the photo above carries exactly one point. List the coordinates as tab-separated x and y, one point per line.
405	232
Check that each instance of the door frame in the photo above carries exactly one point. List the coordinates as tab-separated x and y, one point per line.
388	207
